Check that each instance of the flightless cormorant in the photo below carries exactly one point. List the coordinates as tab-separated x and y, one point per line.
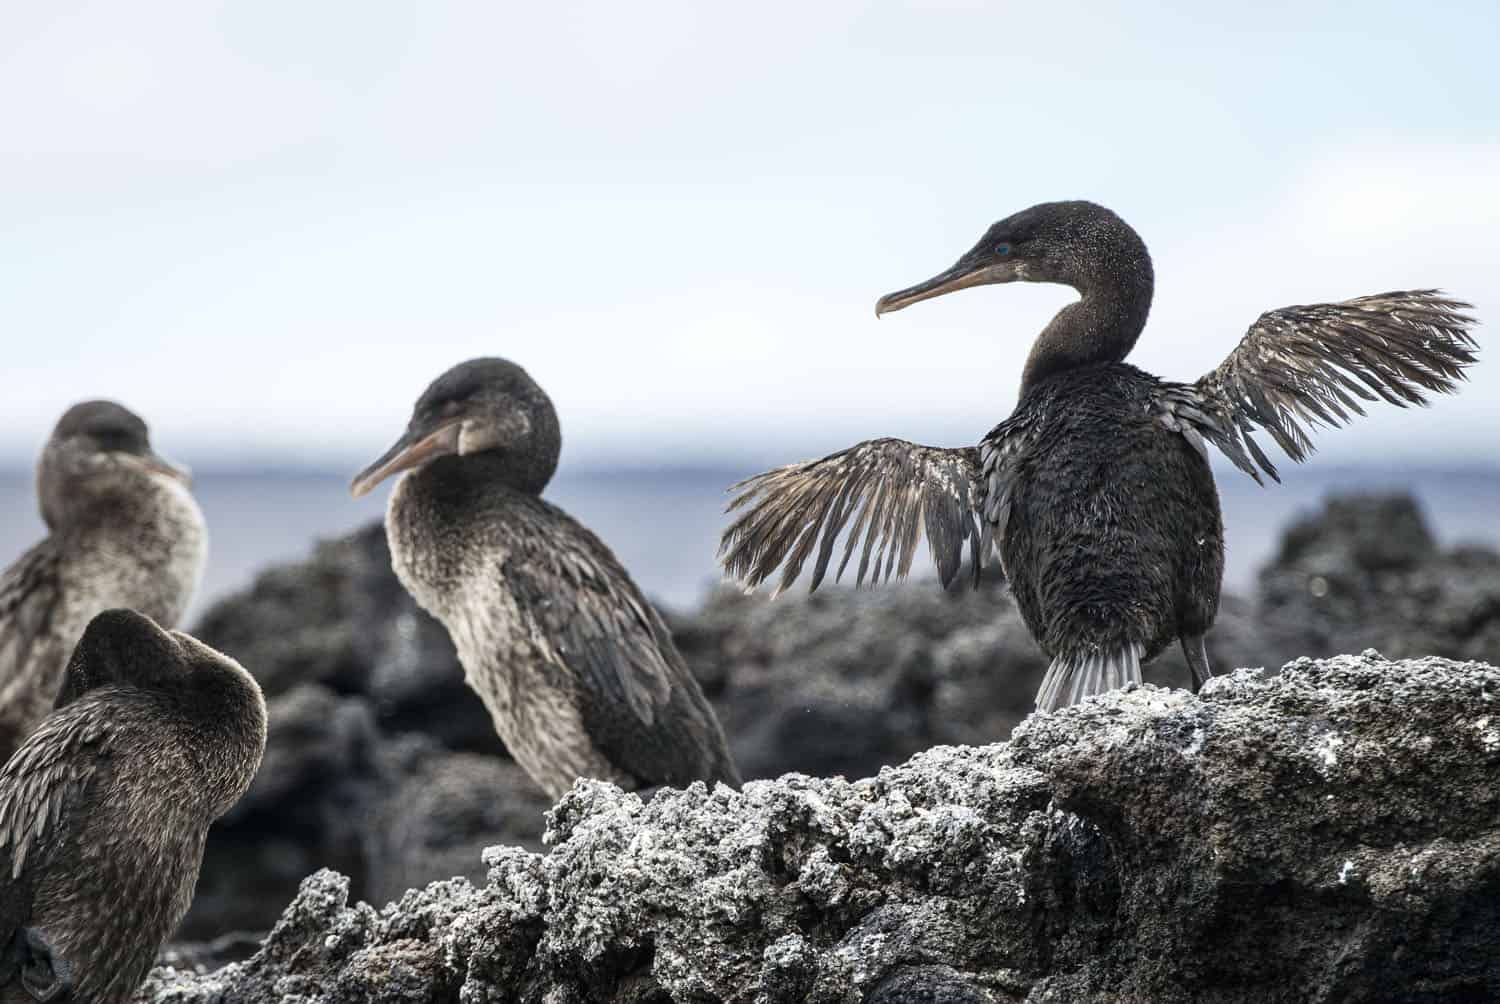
579	672
1097	489
105	807
124	531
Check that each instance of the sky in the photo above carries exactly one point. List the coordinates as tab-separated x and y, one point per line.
266	225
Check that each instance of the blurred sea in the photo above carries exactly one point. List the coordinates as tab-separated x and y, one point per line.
664	524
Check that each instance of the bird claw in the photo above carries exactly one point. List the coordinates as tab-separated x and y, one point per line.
48	978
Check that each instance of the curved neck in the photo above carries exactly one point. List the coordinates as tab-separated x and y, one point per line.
1102	327
229	717
126	501
526	473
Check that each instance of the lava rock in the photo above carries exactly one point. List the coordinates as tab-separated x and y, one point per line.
846	681
1365	572
1329	833
342	619
440	811
383	764
306	809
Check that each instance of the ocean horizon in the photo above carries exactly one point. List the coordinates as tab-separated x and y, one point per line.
664	523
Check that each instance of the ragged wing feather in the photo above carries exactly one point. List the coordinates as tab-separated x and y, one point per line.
885	492
1305	366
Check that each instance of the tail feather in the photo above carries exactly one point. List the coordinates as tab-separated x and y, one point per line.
1073	677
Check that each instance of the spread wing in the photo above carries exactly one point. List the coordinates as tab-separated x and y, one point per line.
1301	367
886	491
29	646
39	785
580	599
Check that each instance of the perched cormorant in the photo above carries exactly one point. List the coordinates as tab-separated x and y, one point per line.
578	671
105	807
1097	488
124	532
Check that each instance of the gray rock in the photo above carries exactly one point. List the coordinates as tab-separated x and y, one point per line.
383	765
341	619
440	811
305	810
846	681
1328	834
333	791
1365	572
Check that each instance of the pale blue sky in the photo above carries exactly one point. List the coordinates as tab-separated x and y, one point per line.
266	225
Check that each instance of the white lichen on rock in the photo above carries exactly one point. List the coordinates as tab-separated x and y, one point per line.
1020	871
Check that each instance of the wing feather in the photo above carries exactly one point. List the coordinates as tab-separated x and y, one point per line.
44	778
1302	367
587	608
880	496
32	655
582	602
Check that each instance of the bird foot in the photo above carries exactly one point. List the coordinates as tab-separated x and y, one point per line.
46	976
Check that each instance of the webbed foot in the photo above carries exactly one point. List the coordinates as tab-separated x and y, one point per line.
46	976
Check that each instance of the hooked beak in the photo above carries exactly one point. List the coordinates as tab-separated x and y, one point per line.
413	449
157	464
963	274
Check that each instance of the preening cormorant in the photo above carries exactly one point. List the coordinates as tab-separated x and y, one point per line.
579	672
105	807
124	531
1097	488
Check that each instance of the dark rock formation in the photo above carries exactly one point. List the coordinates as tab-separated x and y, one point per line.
333	791
306	809
845	681
369	719
382	763
341	619
441	812
1366	572
1328	834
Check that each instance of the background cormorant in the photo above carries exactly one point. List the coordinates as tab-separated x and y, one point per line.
578	671
1097	488
124	532
105	807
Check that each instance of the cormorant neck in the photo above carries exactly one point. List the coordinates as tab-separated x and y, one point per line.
122	498
229	712
1102	327
522	472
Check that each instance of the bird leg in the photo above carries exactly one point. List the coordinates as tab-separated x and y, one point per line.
1197	659
47	977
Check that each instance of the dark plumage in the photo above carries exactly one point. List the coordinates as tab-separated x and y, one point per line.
124	532
105	807
1097	488
578	671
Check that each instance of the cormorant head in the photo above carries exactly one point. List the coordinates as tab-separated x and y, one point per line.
119	646
208	693
1076	244
97	448
483	406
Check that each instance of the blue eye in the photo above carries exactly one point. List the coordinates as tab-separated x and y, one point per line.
1002	249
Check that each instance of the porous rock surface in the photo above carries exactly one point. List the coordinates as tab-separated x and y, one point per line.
1331	833
382	764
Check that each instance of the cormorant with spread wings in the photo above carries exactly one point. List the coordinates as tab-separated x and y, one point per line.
1097	489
